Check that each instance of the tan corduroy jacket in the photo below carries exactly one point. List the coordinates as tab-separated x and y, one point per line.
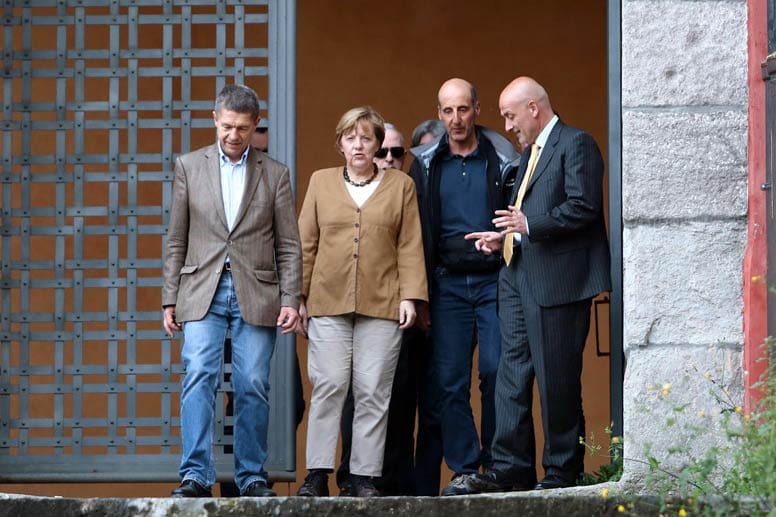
361	260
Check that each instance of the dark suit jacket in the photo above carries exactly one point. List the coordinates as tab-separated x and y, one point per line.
263	246
566	255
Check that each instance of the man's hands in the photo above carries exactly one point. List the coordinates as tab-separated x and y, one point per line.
512	220
487	243
288	319
168	320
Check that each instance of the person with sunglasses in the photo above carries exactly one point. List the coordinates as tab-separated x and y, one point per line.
362	255
391	153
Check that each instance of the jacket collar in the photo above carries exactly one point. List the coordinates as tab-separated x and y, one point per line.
504	149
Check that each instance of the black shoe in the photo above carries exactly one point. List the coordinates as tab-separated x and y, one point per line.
364	486
316	484
549	483
258	488
347	487
460	485
494	480
190	488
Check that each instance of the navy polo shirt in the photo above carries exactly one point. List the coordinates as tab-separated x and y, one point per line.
463	194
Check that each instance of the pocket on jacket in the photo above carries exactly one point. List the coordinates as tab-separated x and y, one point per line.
269	276
187	270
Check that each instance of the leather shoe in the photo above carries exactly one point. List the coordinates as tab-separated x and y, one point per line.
190	488
552	482
497	481
364	486
258	488
316	484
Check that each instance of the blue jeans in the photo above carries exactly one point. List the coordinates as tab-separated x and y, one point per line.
463	315
202	355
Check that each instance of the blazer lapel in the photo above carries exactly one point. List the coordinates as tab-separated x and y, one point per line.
253	173
547	152
214	179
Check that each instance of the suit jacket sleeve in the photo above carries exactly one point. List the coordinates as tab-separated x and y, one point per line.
287	249
177	236
582	167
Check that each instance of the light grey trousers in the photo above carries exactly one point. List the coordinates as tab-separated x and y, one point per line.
340	348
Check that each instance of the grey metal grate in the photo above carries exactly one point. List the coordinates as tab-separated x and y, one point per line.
98	98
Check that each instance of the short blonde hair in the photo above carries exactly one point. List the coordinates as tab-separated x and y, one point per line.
355	117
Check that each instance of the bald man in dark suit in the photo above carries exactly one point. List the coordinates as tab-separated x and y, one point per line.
556	262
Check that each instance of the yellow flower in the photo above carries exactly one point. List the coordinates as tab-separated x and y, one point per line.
615	439
701	414
707	375
682	512
665	393
739	409
667	386
747	417
604	493
621	509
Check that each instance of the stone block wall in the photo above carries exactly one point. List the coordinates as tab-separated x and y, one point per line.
684	115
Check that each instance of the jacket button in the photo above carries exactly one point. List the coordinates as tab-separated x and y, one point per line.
357	225
355	240
355	255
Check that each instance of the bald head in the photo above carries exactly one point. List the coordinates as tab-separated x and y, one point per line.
526	109
456	86
458	111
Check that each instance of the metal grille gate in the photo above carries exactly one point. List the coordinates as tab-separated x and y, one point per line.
98	98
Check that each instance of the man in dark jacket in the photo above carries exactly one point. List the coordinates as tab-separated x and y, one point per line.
458	177
556	259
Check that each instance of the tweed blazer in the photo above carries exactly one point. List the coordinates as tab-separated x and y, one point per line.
263	246
361	260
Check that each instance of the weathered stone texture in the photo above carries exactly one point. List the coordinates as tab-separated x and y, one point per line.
570	501
683	53
688	415
682	283
679	164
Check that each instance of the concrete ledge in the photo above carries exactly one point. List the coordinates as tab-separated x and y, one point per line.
582	501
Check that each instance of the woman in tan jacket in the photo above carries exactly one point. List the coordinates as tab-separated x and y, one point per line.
363	269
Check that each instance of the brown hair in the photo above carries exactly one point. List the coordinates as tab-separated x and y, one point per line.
355	117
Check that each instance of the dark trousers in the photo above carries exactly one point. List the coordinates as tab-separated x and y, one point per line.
397	477
546	344
463	306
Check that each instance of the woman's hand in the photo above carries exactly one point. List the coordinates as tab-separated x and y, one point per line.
406	314
301	324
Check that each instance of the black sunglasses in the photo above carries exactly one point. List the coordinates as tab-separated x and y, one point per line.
396	152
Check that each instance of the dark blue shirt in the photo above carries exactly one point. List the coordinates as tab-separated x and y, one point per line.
463	194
